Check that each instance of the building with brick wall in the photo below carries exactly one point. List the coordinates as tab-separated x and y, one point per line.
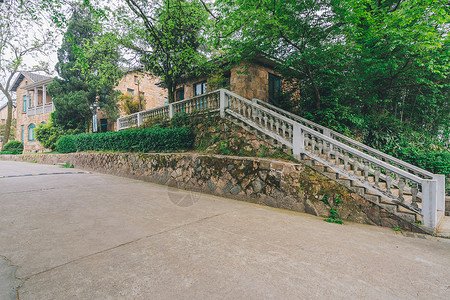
133	84
255	78
34	104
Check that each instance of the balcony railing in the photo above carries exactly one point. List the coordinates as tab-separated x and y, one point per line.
39	110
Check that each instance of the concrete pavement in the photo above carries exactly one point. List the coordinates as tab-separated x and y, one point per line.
89	236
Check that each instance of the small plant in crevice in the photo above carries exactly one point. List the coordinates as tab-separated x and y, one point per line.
334	215
66	165
397	229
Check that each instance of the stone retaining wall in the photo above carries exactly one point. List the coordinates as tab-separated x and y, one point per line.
269	182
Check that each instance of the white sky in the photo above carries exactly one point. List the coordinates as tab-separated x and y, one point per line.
33	60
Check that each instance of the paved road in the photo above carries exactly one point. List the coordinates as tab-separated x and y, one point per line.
91	236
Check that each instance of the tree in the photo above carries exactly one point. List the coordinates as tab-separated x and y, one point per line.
21	36
166	36
131	104
354	59
88	64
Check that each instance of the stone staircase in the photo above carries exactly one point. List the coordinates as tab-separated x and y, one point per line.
413	194
400	210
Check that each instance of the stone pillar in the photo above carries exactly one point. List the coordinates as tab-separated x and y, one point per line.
44	95
429	203
28	103
170	110
222	103
35	97
298	141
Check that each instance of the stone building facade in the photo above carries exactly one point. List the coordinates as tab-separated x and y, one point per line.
252	79
34	104
146	85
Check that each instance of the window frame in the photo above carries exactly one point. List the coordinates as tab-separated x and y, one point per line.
25	100
275	90
203	86
31	133
178	94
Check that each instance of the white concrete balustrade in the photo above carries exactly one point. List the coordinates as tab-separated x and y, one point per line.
416	189
39	110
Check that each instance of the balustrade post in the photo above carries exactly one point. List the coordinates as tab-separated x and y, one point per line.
118	124
298	141
44	95
440	179
223	103
429	203
327	132
170	110
139	119
254	114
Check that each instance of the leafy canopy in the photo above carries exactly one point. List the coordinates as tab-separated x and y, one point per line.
88	64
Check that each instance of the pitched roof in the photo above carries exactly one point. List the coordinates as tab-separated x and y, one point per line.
32	77
2	106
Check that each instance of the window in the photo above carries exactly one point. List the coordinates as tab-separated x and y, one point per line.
274	89
135	79
130	92
3	121
227	80
200	88
25	103
22	129
31	132
103	125
179	95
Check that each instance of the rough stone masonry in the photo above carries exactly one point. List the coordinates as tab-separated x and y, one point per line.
269	182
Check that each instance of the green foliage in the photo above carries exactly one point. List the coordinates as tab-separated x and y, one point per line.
334	214
13	147
3	127
48	134
131	104
377	71
397	229
88	65
166	35
142	140
66	144
66	165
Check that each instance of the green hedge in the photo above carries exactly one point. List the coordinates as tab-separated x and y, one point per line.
136	140
48	134
13	147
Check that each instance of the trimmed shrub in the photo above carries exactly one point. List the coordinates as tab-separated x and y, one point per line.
135	140
66	144
13	147
48	134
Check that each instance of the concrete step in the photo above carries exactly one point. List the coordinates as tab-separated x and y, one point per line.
390	207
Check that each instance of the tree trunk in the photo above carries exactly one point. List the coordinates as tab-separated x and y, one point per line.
170	91
316	90
8	119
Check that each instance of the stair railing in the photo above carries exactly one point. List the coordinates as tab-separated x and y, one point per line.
440	179
400	182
